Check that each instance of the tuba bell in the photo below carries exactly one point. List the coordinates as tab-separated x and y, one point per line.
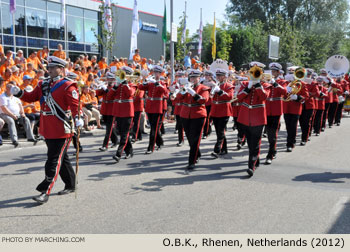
255	73
337	66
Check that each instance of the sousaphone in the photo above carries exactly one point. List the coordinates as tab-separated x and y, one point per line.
337	66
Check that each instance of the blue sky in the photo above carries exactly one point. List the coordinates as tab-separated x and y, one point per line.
193	10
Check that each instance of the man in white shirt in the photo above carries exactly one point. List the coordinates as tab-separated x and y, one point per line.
11	111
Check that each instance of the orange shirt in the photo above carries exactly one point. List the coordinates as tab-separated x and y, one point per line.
2	70
2	88
102	65
60	54
34	61
41	55
37	107
87	63
35	82
26	110
94	101
144	66
137	58
86	99
113	63
31	73
17	79
1	49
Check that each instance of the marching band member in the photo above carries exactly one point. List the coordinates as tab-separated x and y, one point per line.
106	111
208	81
274	109
320	105
252	116
308	108
328	99
176	101
292	110
138	109
236	105
59	100
221	110
123	110
344	85
156	92
193	114
336	90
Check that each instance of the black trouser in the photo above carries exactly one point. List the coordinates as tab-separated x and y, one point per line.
123	128
253	135
305	123
208	119
110	131
331	113
240	134
291	121
318	121
162	129
57	163
155	137
193	130
180	129
136	134
272	133
325	115
220	127
339	112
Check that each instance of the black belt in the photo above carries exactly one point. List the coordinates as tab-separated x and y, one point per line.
253	106
193	105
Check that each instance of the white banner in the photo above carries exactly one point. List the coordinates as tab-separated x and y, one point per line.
134	30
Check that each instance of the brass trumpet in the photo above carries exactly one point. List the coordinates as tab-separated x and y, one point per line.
255	73
296	85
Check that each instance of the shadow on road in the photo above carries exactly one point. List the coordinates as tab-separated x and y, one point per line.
325	177
18	202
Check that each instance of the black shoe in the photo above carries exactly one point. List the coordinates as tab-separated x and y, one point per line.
148	152
338	124
15	143
130	155
330	126
289	149
103	148
215	155
40	138
179	144
159	147
264	135
243	143
268	161
175	132
66	191
116	158
190	167
239	146
204	137
250	172
34	141
322	129
303	143
42	198
145	133
113	145
133	140
317	134
223	152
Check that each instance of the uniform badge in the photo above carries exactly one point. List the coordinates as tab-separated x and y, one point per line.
75	94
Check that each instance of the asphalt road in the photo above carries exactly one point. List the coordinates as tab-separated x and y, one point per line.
306	191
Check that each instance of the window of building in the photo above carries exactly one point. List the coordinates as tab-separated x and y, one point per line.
91	27
54	24
74	11
39	4
91	14
54	7
36	23
75	26
6	19
20	22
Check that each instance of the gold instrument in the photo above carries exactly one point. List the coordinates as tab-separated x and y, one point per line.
266	77
135	77
296	85
255	73
121	75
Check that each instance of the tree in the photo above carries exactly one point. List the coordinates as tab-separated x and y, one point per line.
105	38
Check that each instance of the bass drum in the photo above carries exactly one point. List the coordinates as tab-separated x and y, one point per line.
347	104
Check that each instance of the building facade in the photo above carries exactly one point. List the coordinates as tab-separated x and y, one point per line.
38	23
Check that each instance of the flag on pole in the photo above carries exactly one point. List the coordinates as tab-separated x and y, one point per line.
108	16
63	14
213	40
183	37
200	36
12	6
134	30
164	24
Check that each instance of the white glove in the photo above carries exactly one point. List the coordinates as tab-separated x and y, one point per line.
294	97
346	92
183	81
216	89
172	88
289	89
250	84
79	123
272	81
191	91
341	99
330	89
104	87
15	90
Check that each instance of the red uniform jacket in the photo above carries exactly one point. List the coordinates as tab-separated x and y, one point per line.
221	102
123	105
194	106
295	107
253	111
314	92
139	100
66	96
338	90
321	100
107	101
155	96
236	105
177	105
274	103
